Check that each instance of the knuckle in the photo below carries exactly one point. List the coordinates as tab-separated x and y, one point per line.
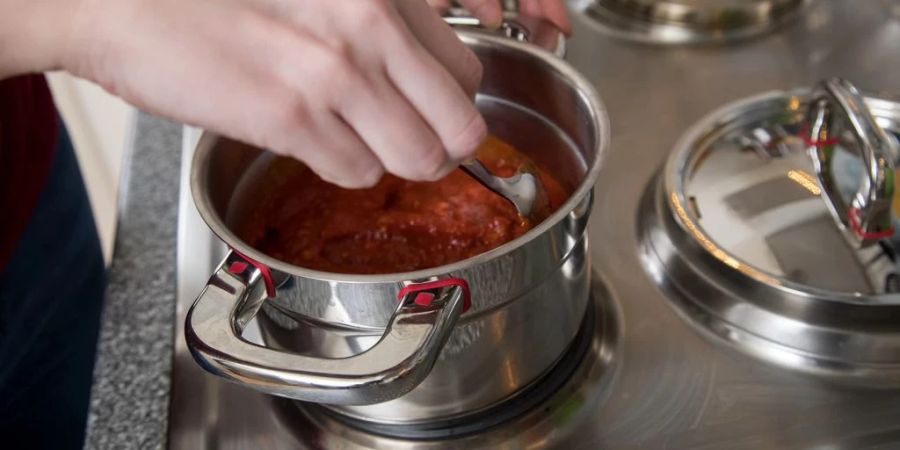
466	142
335	68
428	165
339	78
344	50
284	122
291	120
318	70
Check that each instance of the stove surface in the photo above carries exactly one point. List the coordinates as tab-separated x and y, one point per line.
668	385
687	21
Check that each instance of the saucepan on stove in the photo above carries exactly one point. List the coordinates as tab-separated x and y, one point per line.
414	342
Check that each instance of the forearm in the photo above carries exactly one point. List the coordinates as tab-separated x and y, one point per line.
34	35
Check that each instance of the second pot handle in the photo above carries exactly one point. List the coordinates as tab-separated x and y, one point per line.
836	102
537	32
401	359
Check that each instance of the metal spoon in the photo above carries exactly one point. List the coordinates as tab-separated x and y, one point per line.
524	189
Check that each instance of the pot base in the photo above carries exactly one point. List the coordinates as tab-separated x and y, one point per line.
577	379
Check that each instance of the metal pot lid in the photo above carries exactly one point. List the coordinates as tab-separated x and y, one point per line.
771	226
687	21
765	197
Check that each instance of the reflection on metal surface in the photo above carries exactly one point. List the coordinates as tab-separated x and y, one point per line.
540	417
711	246
671	387
784	282
838	109
744	214
687	21
533	289
806	180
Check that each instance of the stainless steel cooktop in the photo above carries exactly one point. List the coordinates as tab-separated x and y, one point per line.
688	21
650	379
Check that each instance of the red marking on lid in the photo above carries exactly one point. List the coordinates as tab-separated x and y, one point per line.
804	134
854	224
811	143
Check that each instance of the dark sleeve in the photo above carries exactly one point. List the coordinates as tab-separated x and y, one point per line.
29	127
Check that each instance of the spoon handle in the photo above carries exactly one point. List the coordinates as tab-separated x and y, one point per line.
476	170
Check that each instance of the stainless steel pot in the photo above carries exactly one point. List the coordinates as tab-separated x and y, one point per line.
346	340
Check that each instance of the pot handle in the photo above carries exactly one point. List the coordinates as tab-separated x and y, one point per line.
836	102
400	360
538	32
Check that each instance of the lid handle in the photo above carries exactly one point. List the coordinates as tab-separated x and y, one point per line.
835	104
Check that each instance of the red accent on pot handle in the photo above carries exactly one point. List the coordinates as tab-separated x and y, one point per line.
437	284
237	267
263	271
407	351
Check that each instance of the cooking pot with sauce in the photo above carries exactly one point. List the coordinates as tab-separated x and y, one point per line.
429	344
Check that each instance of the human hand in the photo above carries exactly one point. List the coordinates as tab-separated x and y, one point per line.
490	13
351	88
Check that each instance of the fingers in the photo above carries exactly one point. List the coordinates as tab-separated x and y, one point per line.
353	84
412	112
333	150
295	80
551	10
440	5
403	103
487	11
394	131
444	45
555	11
434	93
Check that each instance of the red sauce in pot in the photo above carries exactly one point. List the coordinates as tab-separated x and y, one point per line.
395	226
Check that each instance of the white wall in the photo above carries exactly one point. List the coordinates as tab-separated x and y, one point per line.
100	126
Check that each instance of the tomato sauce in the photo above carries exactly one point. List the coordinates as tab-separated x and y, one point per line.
395	226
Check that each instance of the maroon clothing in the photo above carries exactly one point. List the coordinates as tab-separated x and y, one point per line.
29	131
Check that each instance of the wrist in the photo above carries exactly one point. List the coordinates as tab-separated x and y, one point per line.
39	35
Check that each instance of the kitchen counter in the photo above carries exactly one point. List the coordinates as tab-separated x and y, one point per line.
132	377
676	388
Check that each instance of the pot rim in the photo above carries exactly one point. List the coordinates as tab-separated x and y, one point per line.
584	90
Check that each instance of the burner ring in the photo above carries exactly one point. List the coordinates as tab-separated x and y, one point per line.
687	22
579	382
466	425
